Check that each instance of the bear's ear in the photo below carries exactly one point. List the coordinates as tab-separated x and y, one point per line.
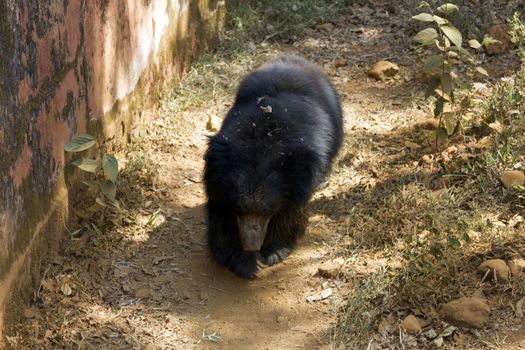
301	170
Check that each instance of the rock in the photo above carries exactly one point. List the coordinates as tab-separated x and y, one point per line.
466	312
511	178
214	123
329	269
516	267
31	312
383	69
194	176
497	266
341	62
326	26
499	32
412	324
430	334
427	124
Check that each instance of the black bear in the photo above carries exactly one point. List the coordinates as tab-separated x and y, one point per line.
274	148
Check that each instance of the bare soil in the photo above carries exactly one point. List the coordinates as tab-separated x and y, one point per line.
142	279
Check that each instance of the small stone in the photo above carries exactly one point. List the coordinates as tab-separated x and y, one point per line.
383	69
280	319
466	312
438	342
511	178
330	269
499	32
341	62
516	267
427	124
328	27
270	28
30	312
430	334
186	295
497	266
142	293
214	123
194	176
412	324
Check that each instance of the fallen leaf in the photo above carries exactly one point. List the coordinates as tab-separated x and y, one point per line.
341	62
325	293
519	308
66	289
387	325
411	145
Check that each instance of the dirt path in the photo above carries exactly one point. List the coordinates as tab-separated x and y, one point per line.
143	280
207	306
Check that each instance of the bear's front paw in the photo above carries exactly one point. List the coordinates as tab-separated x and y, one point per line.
245	265
274	257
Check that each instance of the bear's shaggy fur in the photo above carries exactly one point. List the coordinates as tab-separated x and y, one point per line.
275	146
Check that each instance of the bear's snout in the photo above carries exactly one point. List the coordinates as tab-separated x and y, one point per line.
252	229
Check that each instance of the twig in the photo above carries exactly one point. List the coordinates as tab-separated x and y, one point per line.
41	283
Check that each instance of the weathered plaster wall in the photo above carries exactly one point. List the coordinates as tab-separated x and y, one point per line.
64	64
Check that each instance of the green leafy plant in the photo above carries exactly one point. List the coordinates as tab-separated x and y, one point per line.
105	170
517	34
443	42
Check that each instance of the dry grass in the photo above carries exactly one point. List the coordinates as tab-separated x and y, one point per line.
435	233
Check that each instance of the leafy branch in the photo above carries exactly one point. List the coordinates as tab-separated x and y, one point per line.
105	170
442	78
